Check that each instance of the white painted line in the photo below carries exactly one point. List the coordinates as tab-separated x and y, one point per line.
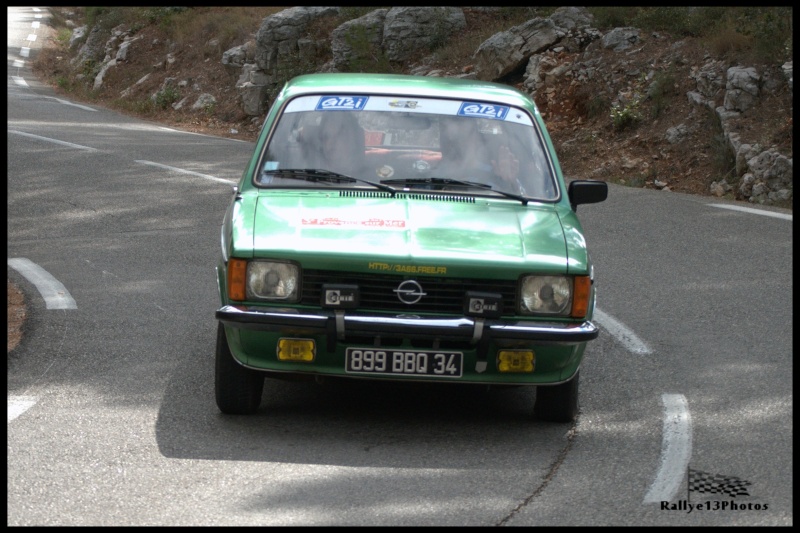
621	332
676	450
25	51
205	176
55	295
18	405
19	81
32	37
35	24
754	211
18	63
47	139
60	101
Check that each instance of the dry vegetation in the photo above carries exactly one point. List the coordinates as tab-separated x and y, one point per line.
16	315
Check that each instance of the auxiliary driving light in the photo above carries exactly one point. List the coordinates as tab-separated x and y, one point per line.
515	361
296	350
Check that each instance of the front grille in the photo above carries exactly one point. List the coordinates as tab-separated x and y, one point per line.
443	295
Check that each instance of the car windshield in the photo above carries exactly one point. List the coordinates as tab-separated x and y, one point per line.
407	144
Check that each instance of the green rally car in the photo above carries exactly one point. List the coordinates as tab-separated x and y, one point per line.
392	227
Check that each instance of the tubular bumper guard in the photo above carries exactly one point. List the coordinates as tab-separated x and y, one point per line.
336	324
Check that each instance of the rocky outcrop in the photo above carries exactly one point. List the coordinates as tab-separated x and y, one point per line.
406	30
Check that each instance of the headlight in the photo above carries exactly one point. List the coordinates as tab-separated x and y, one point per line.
545	295
555	295
270	280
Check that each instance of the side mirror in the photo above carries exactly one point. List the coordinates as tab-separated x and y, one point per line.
586	192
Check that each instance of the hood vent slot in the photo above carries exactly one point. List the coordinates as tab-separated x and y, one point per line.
409	196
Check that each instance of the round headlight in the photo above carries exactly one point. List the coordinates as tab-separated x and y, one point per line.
272	281
546	294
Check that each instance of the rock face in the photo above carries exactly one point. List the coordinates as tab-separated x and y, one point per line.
542	52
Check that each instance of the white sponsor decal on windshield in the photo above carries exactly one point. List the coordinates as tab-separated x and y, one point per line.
477	109
341	103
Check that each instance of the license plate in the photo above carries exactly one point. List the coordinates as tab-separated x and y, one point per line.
441	364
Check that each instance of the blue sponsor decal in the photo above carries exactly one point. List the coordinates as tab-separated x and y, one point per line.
346	103
477	109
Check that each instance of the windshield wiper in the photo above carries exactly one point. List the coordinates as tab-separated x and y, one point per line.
442	182
317	175
436	181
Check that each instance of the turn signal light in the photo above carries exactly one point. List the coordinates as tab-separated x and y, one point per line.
237	277
580	296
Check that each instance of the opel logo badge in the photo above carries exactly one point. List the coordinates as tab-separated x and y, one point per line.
409	292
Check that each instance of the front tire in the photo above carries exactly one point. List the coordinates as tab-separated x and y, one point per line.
557	403
237	389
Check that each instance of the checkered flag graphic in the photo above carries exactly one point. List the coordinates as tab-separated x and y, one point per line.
715	484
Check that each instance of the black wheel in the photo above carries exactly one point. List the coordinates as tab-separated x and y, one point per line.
238	389
558	403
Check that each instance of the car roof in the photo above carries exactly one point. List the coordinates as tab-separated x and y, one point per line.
401	84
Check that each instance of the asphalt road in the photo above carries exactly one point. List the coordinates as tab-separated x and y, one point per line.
112	419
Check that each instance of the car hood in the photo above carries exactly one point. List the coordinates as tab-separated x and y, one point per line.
413	228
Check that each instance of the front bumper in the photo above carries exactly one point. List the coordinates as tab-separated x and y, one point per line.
337	325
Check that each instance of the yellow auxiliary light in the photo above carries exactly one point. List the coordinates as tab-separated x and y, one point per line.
515	361
302	350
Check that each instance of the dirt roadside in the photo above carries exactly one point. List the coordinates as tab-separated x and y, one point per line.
17	312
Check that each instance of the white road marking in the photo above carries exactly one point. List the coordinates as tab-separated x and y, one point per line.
676	450
25	51
18	63
18	405
754	211
60	101
56	141
32	37
55	295
621	332
205	176
19	81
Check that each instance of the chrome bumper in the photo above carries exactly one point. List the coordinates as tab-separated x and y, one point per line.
338	324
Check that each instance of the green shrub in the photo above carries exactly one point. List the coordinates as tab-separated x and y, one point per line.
612	16
90	69
673	19
166	97
294	65
661	89
597	105
94	14
364	57
770	29
625	116
722	154
354	12
63	36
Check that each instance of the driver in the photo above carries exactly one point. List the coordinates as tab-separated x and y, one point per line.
466	155
337	144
